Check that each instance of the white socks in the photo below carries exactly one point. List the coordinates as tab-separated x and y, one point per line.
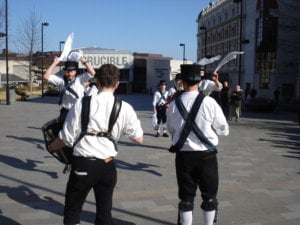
186	218
208	217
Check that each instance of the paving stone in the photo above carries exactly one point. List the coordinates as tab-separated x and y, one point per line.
258	166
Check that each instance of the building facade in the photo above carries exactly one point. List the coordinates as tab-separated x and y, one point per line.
139	72
266	31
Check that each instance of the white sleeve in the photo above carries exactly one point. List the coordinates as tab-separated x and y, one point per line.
133	128
220	124
209	87
72	126
84	77
56	80
155	99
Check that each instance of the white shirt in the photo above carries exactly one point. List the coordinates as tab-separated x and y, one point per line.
210	120
158	99
93	90
208	86
101	105
172	91
68	98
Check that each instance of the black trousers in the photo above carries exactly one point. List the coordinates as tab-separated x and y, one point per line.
161	114
197	169
87	174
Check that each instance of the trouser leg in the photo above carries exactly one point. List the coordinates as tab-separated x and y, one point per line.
103	190
159	117
209	188
75	197
185	216
186	190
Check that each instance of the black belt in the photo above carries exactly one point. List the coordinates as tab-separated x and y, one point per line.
94	158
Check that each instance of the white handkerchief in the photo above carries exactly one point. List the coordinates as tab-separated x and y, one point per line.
75	55
67	48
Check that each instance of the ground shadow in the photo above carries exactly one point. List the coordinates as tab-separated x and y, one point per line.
7	221
27	197
142	167
130	144
38	142
29	165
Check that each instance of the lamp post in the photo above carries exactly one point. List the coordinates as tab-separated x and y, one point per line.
43	24
205	44
241	38
6	53
183	59
60	43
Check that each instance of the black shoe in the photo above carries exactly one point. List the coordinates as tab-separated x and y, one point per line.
165	135
157	134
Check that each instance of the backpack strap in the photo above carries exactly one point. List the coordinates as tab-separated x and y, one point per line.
190	124
162	97
67	87
114	114
85	119
85	112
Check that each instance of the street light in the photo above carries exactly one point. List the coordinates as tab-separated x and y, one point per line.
6	53
183	59
60	43
205	44
7	78
43	24
241	38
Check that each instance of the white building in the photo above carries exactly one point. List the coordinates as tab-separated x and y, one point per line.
139	72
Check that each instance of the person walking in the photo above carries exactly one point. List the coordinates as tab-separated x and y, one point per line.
276	95
93	165
235	103
159	108
225	99
196	159
71	84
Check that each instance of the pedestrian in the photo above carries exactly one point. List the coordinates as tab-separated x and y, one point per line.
159	108
196	158
93	165
235	103
276	95
71	84
253	93
225	99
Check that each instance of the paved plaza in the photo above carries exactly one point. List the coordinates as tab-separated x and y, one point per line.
258	165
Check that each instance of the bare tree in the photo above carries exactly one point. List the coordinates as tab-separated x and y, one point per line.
29	39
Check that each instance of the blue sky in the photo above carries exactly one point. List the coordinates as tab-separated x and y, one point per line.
147	26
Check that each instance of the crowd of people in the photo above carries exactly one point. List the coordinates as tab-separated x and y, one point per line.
186	112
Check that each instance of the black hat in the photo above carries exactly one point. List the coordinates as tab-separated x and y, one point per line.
178	76
162	82
71	65
190	72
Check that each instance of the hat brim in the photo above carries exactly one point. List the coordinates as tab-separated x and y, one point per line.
69	68
191	78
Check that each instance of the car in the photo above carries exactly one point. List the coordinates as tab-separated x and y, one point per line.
51	92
